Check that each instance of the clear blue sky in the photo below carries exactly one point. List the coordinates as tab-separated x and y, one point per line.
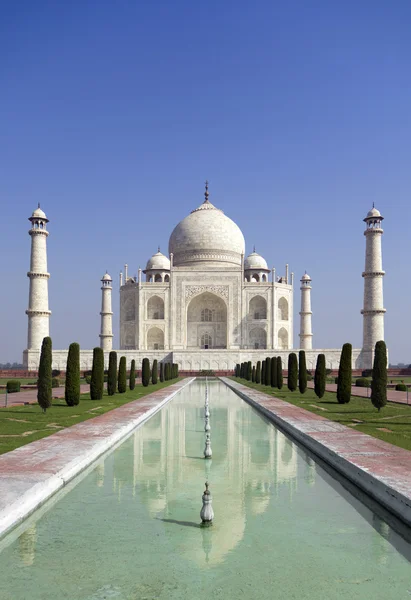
114	113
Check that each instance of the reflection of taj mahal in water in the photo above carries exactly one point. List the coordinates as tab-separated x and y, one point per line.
207	305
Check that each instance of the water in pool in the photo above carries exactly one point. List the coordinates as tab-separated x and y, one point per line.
129	530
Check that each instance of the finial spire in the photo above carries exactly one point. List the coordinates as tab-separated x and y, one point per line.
206	191
158	248
254	248
38	204
373	204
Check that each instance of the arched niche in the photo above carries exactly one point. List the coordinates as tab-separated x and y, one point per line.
283	339
155	339
258	338
155	308
157	278
129	309
283	309
207	314
258	308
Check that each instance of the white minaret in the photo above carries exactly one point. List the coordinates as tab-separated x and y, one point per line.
373	311
38	310
306	333
106	335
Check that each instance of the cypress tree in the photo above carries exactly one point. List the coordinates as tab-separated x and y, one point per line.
258	372
249	370
292	378
320	376
167	371
44	379
112	373
379	376
161	372
344	375
274	371
122	375
154	375
97	375
263	372
253	374
132	382
268	371
237	370
279	373
241	370
302	373
145	372
72	391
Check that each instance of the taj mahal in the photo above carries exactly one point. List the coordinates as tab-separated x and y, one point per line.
206	306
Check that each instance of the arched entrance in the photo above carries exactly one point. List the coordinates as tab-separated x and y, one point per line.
207	322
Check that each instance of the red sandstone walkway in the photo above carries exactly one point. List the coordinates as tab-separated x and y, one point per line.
30	396
380	469
31	474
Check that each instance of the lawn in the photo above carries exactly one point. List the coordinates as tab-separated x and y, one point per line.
20	425
392	424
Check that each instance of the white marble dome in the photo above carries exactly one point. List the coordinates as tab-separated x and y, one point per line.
159	262
106	277
39	214
373	213
256	262
206	235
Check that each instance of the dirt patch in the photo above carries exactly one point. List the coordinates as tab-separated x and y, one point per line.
357	421
384	429
93	409
319	407
17	420
55	426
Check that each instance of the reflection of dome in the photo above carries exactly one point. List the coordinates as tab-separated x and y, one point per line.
206	235
158	261
255	261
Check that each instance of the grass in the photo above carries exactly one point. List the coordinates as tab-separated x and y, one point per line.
20	425
358	414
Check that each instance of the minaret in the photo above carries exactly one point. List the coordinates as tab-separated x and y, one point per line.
373	311
106	335
38	310
306	335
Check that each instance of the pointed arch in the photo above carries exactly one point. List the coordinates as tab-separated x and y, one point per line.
258	308
283	339
155	308
283	309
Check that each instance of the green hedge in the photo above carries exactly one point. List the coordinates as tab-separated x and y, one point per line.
13	386
44	386
122	376
97	375
362	382
72	388
401	387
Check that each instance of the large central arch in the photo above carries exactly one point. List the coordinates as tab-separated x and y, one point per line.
207	322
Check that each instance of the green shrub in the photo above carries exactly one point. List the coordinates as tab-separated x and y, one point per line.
263	372
72	389
132	380
279	373
292	379
362	382
237	370
122	376
268	371
161	372
258	372
112	373
401	387
13	386
253	374
345	375
336	380
44	385
249	371
302	372
366	373
55	382
154	374
309	376
274	372
379	376
145	372
55	373
88	379
97	375
320	376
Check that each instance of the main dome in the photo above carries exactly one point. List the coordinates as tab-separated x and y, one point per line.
206	235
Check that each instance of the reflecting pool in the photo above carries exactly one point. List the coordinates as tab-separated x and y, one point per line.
129	529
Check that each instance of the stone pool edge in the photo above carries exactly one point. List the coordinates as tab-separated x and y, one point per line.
384	474
28	477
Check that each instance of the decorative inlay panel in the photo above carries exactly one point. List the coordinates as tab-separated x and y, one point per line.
194	290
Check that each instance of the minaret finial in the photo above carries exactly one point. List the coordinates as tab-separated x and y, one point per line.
373	204
254	248
206	191
38	204
158	248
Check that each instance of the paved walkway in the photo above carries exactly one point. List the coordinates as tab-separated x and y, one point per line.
382	470
392	395
30	396
33	473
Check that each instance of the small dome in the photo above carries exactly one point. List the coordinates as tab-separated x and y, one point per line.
159	262
373	213
255	261
106	277
39	214
305	277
